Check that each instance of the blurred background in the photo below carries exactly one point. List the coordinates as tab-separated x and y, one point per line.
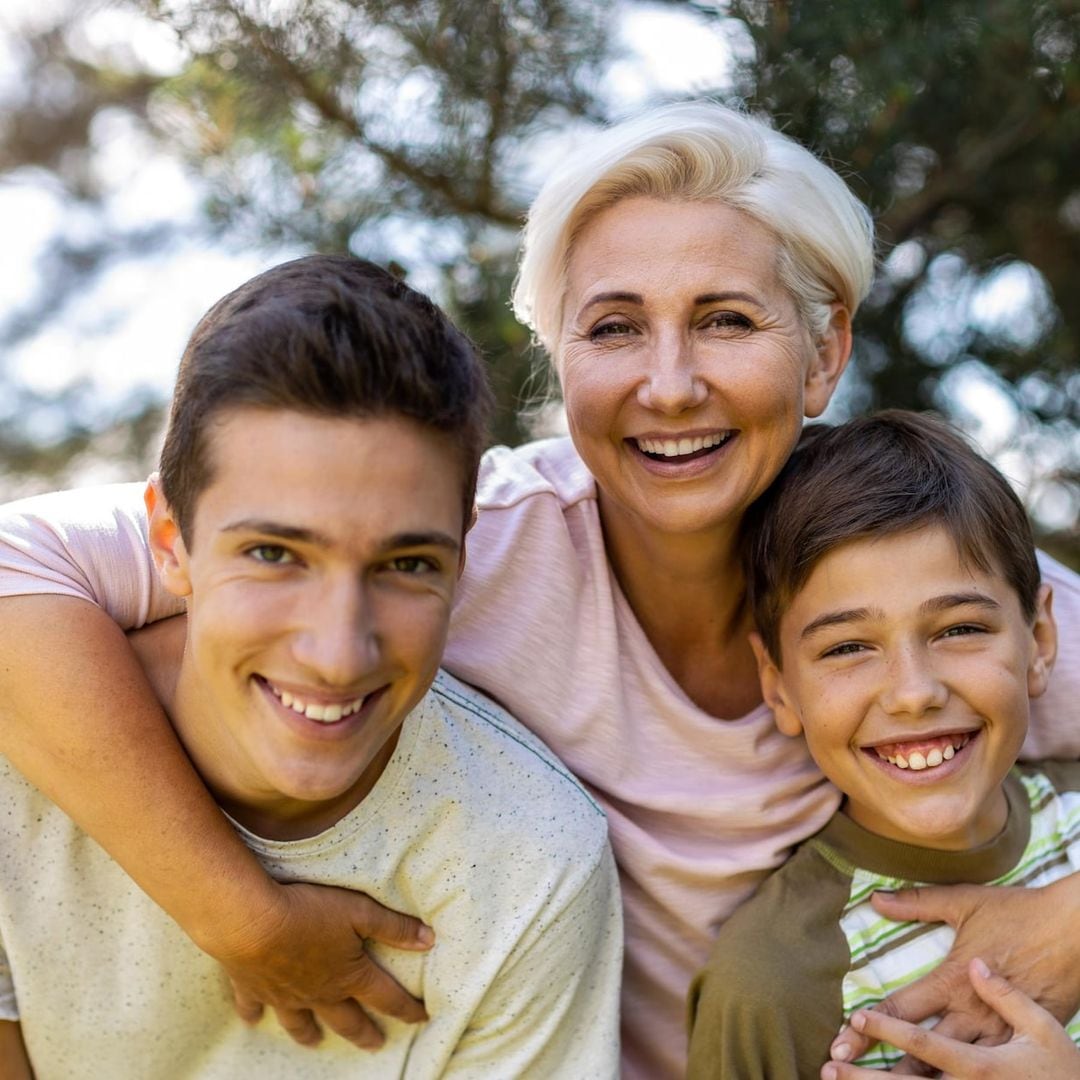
156	153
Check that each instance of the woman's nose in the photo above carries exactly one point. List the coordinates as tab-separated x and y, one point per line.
672	384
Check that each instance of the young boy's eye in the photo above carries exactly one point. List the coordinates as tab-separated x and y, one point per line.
964	630
845	648
272	554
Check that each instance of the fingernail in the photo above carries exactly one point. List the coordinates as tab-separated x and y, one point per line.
829	1072
981	968
425	935
858	1021
841	1052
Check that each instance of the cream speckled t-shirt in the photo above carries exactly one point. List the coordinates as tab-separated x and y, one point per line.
474	826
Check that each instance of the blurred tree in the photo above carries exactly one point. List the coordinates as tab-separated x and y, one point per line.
958	122
378	126
401	129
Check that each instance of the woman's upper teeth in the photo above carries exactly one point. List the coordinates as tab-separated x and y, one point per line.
679	447
328	714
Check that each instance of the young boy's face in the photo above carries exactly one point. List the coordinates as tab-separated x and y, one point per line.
323	559
910	675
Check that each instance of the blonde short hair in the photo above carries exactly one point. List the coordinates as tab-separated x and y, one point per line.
702	151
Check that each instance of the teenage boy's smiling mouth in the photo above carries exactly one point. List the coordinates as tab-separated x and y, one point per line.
925	753
322	708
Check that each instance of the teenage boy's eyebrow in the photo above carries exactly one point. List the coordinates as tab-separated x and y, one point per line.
299	534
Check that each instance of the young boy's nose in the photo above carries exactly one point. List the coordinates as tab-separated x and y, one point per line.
911	685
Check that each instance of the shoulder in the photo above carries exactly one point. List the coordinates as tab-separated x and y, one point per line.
500	763
1046	779
547	467
1054	731
787	931
770	998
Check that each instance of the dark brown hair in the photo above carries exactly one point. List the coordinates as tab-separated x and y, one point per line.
329	335
889	473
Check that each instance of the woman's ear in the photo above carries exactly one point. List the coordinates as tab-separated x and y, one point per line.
773	690
1043	642
166	542
831	355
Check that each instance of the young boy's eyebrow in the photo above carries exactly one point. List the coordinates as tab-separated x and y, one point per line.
959	599
928	607
833	618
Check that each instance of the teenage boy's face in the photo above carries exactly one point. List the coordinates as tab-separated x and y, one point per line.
910	675
322	567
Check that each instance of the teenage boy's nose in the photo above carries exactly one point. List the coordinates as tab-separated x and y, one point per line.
912	685
338	642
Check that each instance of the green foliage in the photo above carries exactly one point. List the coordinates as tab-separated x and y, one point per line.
395	128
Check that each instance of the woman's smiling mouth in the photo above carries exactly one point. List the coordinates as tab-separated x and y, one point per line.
675	450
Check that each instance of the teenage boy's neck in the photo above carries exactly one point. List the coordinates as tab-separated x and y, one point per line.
194	717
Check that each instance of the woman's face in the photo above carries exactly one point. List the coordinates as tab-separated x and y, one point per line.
685	367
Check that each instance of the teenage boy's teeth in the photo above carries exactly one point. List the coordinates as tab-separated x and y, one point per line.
680	447
327	714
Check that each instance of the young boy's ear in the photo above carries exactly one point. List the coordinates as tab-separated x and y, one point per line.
166	543
1043	642
774	691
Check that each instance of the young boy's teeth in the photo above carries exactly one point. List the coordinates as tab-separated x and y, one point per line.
916	760
327	714
680	447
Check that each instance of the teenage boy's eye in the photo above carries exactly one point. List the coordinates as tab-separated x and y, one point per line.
413	564
963	631
273	554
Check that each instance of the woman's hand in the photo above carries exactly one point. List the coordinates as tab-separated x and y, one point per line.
1028	935
1039	1048
305	959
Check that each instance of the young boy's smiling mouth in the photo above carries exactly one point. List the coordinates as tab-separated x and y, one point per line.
926	752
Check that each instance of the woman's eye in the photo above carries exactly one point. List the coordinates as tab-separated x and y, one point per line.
610	329
728	320
273	554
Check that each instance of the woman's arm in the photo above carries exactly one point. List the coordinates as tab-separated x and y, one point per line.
1038	1049
79	720
1028	935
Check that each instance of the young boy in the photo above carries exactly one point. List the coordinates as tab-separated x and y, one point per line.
902	629
316	484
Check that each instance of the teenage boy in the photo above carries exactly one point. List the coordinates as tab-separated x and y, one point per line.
902	629
316	484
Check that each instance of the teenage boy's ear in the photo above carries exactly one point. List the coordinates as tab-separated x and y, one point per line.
774	691
464	540
1043	642
166	543
831	354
